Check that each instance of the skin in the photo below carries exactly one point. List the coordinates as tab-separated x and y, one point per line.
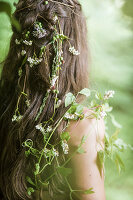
86	171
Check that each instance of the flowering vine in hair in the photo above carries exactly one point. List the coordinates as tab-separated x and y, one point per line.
98	107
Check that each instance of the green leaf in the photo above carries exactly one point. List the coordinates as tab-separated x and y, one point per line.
16	24
119	163
30	190
24	61
65	136
80	150
73	108
79	109
83	139
114	136
27	153
64	171
34	151
29	180
100	160
85	92
70	98
89	191
6	7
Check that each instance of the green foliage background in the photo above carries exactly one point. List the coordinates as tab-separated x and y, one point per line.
110	38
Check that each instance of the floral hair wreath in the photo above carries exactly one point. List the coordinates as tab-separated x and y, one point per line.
98	106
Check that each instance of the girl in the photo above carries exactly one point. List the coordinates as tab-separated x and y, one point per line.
48	62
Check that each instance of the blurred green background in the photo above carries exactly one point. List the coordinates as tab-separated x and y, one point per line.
110	38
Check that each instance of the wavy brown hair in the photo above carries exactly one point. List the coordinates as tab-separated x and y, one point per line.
14	166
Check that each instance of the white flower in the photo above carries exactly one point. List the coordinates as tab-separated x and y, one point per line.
23	52
27	102
33	61
17	42
46	151
103	114
40	127
55	152
39	32
65	147
69	116
16	118
109	94
28	43
58	104
55	18
53	81
73	51
107	108
49	129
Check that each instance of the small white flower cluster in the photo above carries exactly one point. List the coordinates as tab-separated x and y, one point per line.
33	61
23	52
53	81
73	51
58	104
27	102
46	152
69	116
55	152
40	127
17	42
28	43
55	18
39	32
65	147
49	129
109	94
103	114
49	153
16	118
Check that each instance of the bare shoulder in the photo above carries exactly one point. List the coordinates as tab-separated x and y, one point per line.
87	173
91	127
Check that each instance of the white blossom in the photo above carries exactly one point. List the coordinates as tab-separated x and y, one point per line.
27	102
28	43
46	151
33	61
17	42
58	104
107	108
49	129
65	147
53	81
23	52
55	18
39	32
40	127
73	51
103	114
109	94
55	152
16	118
69	116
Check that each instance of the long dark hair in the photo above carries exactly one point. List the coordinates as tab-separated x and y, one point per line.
35	81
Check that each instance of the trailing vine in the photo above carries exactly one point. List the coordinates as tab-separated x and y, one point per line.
99	108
